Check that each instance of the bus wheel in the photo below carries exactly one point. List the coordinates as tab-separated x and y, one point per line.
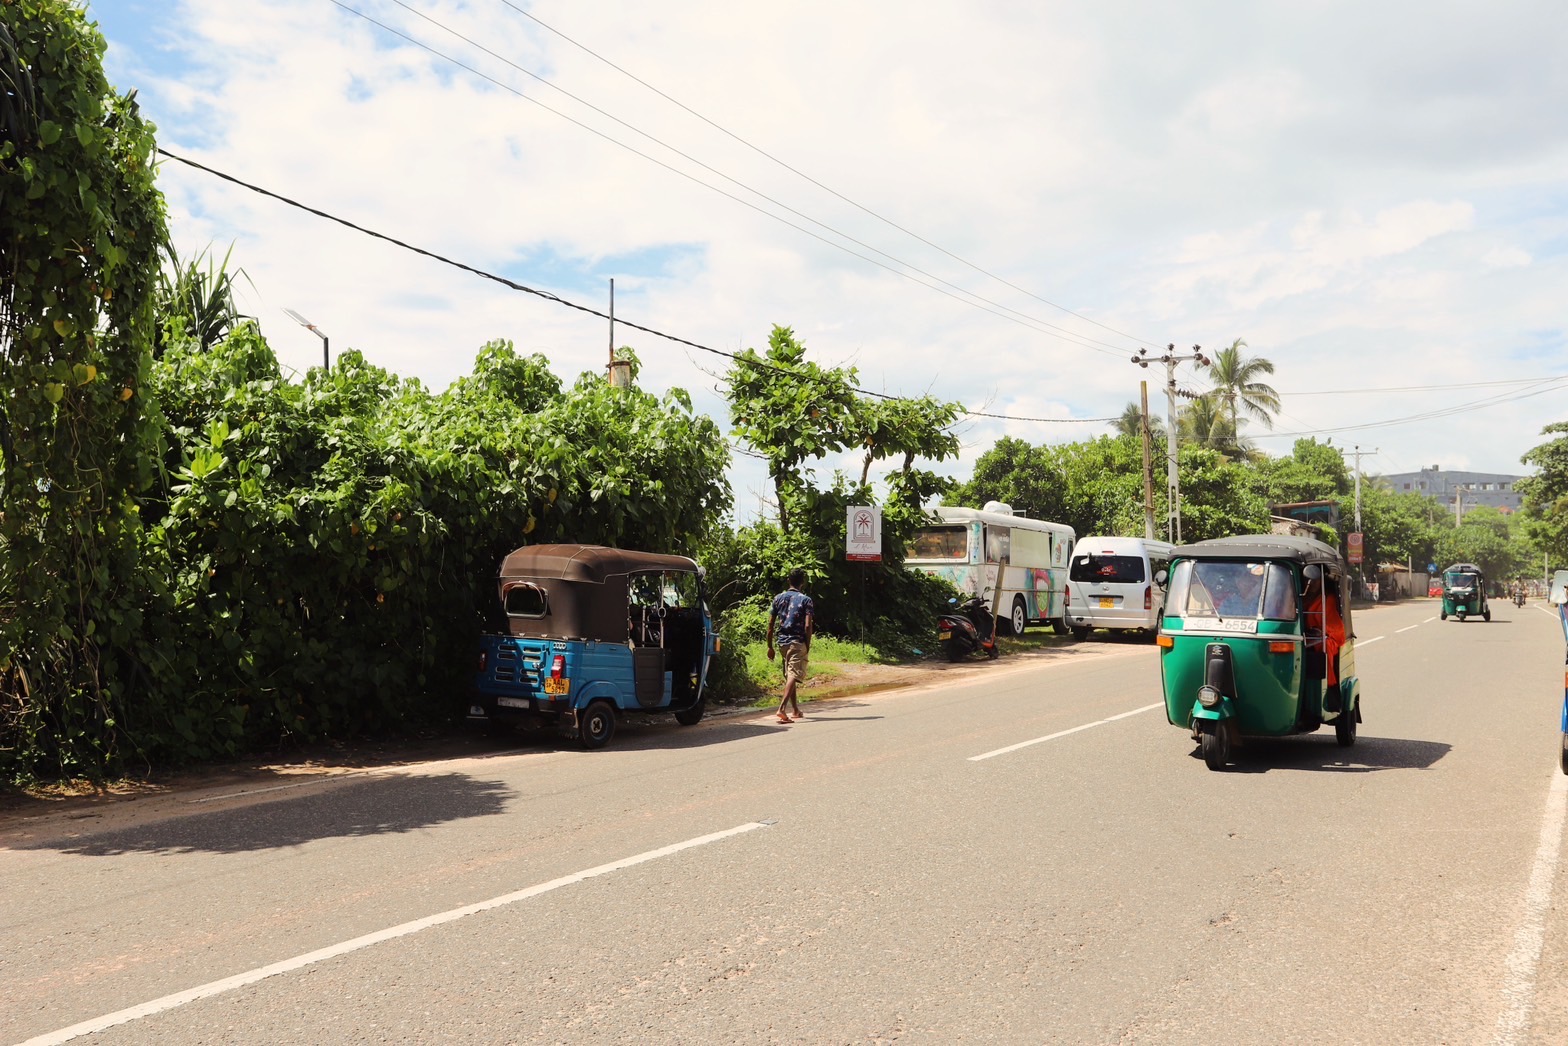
1018	620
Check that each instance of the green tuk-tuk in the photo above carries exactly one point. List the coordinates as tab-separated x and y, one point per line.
1257	642
1464	592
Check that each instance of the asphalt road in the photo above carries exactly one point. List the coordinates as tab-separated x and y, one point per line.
906	867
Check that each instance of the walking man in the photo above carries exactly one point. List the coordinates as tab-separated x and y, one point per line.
794	616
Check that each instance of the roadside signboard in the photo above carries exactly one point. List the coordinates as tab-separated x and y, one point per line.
1353	546
863	534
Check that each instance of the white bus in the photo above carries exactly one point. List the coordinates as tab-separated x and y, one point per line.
981	549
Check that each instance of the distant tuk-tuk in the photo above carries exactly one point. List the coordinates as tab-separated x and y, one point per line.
1464	592
592	633
1257	642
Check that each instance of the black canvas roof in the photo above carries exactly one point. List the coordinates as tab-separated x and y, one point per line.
1463	568
1262	546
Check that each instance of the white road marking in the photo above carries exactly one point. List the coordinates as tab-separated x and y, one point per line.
1064	733
1429	619
1549	613
1524	961
227	984
1405	629
259	791
1369	642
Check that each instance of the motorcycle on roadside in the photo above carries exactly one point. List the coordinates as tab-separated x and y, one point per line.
966	629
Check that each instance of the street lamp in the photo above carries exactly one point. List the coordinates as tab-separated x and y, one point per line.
326	361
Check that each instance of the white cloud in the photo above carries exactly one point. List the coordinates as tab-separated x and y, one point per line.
1188	176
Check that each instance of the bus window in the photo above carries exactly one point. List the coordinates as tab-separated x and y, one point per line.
998	544
950	542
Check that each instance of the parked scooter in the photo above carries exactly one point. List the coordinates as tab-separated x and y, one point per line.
967	629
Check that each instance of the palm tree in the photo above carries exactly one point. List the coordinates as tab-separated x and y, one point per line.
1130	422
1234	377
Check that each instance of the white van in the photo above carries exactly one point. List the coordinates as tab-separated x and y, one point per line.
1110	584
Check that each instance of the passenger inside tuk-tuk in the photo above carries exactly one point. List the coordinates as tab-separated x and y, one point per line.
1325	624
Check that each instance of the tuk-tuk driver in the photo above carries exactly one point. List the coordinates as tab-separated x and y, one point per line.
1325	624
1241	591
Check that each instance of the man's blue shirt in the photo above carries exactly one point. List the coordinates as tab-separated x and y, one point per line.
791	608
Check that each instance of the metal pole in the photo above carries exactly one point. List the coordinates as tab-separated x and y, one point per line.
326	357
1358	488
612	320
1172	483
1148	463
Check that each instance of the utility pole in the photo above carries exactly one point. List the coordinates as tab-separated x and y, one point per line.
1172	482
1360	567
1148	462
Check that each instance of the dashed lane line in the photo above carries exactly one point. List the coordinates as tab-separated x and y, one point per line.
1063	733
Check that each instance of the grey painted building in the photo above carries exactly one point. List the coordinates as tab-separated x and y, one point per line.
1464	490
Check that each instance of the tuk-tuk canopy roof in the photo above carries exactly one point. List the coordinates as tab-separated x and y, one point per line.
1263	546
593	564
1464	568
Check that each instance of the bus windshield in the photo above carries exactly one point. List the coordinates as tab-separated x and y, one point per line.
940	543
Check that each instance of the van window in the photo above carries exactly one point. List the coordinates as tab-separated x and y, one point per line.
998	544
1094	567
940	543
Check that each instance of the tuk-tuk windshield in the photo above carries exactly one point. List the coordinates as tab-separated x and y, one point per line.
1221	588
1460	582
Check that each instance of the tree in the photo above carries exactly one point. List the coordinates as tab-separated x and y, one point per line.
79	236
195	299
1130	422
1546	492
1235	379
790	410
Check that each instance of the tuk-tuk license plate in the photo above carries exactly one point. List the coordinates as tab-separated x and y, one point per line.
557	687
944	635
1107	603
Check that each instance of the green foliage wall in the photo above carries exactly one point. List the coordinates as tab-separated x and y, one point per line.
330	545
80	227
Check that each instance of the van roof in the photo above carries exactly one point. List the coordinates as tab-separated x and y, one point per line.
1113	544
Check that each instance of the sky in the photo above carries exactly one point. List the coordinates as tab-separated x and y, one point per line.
998	203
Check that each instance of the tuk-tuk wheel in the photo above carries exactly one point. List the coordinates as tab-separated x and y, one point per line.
693	715
1216	746
597	724
1486	615
1345	728
1443	615
1461	617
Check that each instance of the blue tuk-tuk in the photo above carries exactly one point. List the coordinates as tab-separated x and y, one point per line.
591	634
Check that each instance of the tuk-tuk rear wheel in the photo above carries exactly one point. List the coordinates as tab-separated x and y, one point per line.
693	715
1216	746
597	724
1345	728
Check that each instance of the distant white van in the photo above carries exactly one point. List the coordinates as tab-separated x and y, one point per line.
1111	584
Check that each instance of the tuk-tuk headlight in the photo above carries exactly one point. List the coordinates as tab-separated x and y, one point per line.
1208	697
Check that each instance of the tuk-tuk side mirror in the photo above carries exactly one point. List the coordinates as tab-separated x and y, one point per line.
1559	590
1162	576
1312	572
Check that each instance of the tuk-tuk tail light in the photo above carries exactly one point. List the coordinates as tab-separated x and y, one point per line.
1165	641
1281	646
558	666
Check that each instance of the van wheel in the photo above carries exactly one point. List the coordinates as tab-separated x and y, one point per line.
1059	626
597	724
1018	620
1080	633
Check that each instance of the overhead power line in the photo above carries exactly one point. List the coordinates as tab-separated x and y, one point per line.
548	296
914	272
825	188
